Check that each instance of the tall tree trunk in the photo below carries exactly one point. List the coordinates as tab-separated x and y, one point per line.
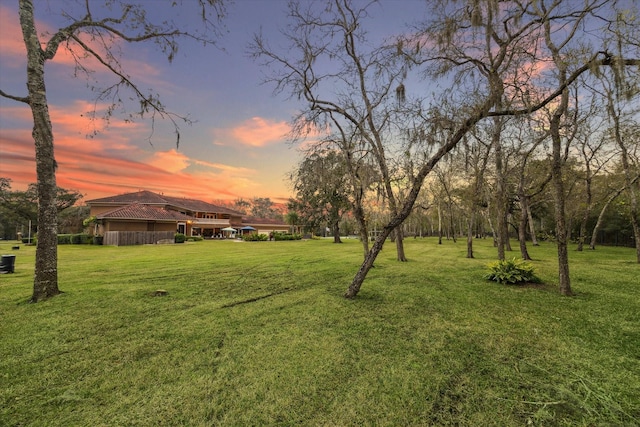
470	225
501	203
45	284
439	224
522	226
559	202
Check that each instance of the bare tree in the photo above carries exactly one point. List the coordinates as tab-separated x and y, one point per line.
485	52
89	37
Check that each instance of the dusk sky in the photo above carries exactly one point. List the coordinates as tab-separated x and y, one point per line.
237	146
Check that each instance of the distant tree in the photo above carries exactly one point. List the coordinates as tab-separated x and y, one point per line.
92	36
263	207
321	189
24	204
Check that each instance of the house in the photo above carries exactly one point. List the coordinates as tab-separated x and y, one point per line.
148	211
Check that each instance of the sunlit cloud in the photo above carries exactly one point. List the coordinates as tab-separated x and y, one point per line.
171	161
259	132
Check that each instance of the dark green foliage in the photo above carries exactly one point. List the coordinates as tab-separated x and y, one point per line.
511	272
180	238
286	236
255	237
75	239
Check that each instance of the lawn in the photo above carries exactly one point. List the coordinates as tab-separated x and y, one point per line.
258	333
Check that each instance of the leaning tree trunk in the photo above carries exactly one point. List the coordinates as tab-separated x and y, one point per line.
45	284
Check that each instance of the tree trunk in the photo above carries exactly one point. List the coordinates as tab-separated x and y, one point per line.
501	196
400	244
532	226
559	202
522	227
358	280
470	225
439	224
45	284
336	231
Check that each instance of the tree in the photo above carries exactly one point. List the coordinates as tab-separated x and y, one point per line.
486	53
23	205
320	183
359	94
90	37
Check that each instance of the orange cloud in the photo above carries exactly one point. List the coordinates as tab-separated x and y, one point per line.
259	132
171	161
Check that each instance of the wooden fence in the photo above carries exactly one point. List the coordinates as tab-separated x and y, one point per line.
126	238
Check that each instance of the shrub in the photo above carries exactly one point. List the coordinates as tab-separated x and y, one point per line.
180	238
64	239
286	236
512	272
74	239
195	239
97	240
255	237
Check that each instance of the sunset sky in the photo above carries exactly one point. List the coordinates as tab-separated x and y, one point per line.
236	148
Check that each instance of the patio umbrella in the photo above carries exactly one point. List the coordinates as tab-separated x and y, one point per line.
248	228
229	229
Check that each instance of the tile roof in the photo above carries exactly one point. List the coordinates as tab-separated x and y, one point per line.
143	212
150	198
263	221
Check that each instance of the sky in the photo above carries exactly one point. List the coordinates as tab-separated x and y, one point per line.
236	147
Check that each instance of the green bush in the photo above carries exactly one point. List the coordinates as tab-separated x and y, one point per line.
512	272
180	238
97	240
195	239
75	239
286	236
255	237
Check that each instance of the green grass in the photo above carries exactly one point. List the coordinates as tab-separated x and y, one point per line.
259	334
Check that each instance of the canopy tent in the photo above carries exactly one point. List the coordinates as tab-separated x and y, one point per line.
229	231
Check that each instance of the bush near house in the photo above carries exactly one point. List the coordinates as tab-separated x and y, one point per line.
75	239
255	237
286	236
180	238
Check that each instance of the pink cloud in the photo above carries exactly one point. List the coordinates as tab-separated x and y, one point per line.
259	132
171	161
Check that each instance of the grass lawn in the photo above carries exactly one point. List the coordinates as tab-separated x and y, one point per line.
259	334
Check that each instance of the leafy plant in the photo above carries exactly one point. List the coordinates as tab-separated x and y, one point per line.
180	238
512	272
255	237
